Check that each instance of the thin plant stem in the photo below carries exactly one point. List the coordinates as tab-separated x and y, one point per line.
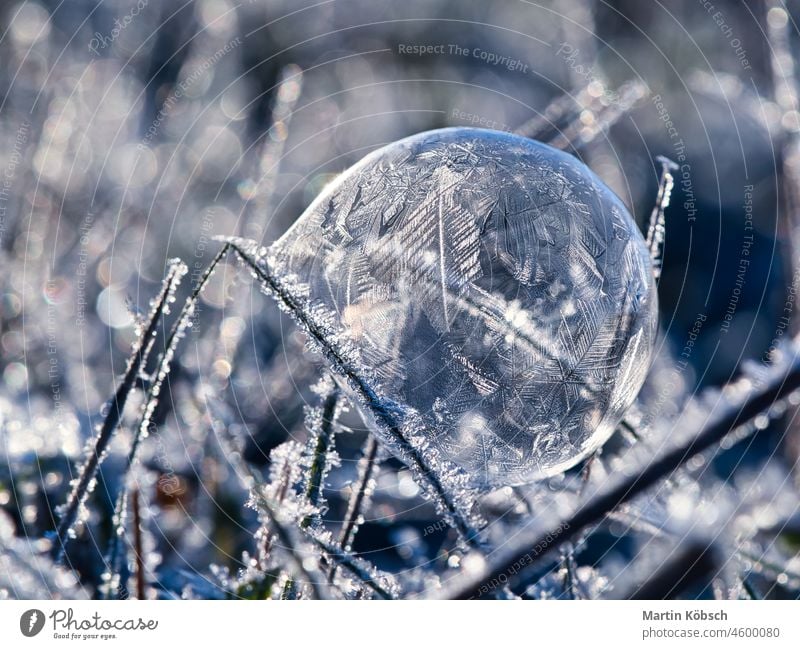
253	481
138	545
285	535
116	407
323	444
570	578
359	495
334	555
163	367
347	561
656	228
288	542
358	498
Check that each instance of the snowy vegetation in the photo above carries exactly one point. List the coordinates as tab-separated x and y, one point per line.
231	372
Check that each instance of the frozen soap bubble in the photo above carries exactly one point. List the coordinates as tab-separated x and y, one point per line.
488	284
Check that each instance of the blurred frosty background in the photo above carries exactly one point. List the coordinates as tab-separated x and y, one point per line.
132	132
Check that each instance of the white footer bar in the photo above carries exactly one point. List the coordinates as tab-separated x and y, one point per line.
411	624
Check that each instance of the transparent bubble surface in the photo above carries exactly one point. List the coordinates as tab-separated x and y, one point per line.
491	285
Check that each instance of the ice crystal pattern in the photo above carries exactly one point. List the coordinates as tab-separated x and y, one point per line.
492	286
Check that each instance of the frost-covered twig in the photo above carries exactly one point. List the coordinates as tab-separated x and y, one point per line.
357	567
763	566
293	538
747	403
96	450
138	546
335	556
143	428
286	536
361	492
570	578
385	415
289	542
270	508
359	496
164	364
656	229
323	442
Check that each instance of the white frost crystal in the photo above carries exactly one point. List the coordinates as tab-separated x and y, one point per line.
492	286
